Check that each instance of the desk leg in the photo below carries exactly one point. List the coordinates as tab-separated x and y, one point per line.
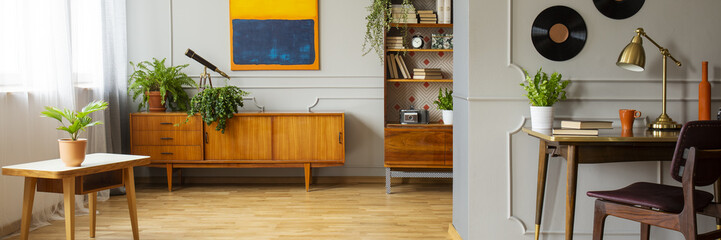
92	207
571	177
28	199
541	184
130	194
69	198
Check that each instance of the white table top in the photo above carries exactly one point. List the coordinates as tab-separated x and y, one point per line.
94	163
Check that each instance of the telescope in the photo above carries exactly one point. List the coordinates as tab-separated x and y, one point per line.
208	65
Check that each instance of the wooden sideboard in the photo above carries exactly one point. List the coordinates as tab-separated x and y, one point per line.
251	140
418	150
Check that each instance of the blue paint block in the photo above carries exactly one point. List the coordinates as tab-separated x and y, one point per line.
283	42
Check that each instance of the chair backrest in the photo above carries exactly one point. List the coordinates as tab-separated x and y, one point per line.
702	135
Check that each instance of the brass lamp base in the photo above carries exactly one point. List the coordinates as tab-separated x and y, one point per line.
664	122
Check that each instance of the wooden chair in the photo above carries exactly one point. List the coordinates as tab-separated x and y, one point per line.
696	162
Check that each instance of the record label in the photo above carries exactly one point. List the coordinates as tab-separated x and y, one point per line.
618	9
558	33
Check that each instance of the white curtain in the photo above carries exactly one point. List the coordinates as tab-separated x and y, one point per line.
62	53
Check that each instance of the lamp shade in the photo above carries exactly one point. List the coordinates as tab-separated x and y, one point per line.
633	57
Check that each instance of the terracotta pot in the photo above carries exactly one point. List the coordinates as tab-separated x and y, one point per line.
154	103
72	152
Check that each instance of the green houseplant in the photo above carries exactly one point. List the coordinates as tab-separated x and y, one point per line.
378	23
72	150
445	104
542	92
156	82
217	105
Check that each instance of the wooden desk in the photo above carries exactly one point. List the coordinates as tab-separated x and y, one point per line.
100	171
609	146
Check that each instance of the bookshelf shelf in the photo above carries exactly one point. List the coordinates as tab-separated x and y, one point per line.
421	80
421	126
419	50
422	25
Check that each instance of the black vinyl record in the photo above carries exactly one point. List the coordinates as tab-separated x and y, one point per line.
559	33
618	9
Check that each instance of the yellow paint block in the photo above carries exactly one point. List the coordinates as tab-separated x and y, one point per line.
274	9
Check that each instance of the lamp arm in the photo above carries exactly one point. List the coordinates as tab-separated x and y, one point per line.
664	51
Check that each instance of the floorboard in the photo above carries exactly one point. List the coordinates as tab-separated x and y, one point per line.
273	211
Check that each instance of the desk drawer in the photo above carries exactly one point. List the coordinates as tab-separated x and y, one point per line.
167	138
170	152
166	123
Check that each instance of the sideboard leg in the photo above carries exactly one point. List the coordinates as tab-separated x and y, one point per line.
307	169
388	180
169	171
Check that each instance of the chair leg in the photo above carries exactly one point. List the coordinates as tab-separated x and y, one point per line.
645	231
599	220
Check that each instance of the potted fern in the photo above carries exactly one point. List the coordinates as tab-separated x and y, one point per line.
445	104
217	105
158	83
72	150
542	92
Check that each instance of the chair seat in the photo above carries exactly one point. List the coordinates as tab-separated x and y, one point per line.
657	196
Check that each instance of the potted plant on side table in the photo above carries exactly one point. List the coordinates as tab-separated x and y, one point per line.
542	93
72	150
445	104
156	82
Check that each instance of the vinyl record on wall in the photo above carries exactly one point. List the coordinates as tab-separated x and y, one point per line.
618	9
558	33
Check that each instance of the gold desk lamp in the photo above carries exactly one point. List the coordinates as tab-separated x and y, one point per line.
633	58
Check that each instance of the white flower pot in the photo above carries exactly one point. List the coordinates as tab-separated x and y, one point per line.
541	117
447	116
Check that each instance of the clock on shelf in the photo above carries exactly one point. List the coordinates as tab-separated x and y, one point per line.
417	42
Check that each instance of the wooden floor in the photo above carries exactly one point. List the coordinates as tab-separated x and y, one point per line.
273	211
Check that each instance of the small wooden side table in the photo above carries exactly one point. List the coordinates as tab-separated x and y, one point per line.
99	171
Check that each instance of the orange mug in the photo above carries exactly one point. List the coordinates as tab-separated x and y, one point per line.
627	116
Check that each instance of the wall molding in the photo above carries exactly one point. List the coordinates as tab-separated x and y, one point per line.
287	76
317	100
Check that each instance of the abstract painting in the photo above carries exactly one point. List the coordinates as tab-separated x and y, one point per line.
274	35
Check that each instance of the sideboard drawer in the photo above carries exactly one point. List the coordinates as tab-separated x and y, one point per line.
167	123
170	152
167	138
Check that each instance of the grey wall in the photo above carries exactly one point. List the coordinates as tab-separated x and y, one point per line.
495	165
345	82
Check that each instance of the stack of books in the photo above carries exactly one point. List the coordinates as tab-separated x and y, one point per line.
403	14
427	73
394	42
427	16
397	68
585	128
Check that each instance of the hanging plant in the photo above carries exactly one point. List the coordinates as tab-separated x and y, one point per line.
217	105
378	24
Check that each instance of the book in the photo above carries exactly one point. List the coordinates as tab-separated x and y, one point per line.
424	11
427	77
586	124
440	10
425	15
390	67
392	62
447	11
400	67
584	132
406	73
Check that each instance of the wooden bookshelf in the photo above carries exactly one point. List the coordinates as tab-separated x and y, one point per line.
422	25
419	80
418	50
